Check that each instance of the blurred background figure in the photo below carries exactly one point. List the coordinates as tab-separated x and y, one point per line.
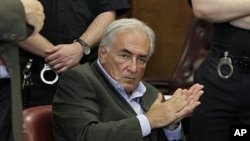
19	19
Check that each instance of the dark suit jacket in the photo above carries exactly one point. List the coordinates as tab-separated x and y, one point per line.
88	108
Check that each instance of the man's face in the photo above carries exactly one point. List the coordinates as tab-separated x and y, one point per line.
126	61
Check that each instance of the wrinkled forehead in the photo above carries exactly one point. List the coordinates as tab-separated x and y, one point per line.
133	37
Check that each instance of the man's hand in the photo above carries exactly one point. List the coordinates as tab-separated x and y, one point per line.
34	14
64	56
170	112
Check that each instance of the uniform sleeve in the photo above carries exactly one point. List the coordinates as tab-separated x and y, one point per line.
120	6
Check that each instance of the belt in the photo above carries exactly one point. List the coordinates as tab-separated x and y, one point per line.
242	61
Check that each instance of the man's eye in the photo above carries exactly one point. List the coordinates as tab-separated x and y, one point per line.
124	56
142	60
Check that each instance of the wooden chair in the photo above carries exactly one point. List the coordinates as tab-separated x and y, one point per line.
195	50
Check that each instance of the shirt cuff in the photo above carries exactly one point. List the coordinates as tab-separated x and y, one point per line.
174	134
145	125
3	72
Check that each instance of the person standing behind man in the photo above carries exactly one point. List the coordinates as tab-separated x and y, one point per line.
107	99
15	15
225	73
70	29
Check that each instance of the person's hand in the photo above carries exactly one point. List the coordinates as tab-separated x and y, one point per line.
170	112
34	14
64	56
243	22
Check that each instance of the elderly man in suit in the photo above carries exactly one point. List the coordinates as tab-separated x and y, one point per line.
107	100
19	19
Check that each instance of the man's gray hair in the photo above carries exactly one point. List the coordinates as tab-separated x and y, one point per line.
124	24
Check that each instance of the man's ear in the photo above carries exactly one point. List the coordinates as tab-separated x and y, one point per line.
102	52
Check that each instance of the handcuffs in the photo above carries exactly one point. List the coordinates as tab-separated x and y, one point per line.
47	68
225	61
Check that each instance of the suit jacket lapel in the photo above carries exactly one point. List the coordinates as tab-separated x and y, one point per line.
116	95
149	97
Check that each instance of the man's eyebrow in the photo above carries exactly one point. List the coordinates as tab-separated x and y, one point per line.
126	51
129	52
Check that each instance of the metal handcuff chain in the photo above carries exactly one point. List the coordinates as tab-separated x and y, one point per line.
47	68
225	61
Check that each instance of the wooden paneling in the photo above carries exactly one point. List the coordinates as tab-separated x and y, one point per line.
170	19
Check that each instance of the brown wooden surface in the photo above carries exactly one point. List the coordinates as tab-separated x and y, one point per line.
170	19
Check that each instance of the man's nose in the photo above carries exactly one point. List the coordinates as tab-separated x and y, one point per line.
133	65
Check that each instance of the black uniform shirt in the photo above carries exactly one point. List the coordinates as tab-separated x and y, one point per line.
232	39
66	20
229	38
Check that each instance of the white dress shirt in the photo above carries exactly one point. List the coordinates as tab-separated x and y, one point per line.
3	72
134	101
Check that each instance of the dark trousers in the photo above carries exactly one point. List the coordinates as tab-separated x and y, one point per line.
225	102
5	111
